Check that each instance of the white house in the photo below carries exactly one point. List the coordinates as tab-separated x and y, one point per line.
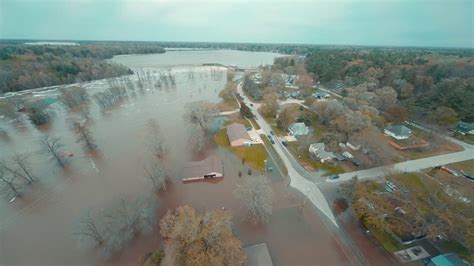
397	131
298	129
317	151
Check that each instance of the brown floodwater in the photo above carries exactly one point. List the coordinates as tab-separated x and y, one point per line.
39	227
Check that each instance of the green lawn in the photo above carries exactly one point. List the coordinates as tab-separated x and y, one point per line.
254	155
279	162
228	105
304	159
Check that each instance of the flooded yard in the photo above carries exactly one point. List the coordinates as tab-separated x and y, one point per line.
39	227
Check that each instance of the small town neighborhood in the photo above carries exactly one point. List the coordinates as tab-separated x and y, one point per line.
290	117
270	163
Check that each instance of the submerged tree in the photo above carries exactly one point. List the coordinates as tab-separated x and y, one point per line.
9	185
84	135
197	138
158	175
202	238
256	196
154	139
52	147
37	113
73	96
201	113
112	228
19	166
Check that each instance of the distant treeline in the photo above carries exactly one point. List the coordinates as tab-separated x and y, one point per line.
425	79
31	66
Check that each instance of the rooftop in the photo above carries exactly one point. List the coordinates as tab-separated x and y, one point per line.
237	131
399	130
200	168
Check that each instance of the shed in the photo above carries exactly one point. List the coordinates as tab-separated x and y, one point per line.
211	167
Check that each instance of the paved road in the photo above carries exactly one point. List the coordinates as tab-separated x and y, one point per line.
415	165
308	188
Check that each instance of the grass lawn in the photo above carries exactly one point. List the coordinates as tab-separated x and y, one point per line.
306	161
466	138
237	119
228	105
254	155
276	156
443	148
466	166
454	246
390	244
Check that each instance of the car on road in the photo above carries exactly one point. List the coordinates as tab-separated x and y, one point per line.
332	177
270	139
272	133
251	104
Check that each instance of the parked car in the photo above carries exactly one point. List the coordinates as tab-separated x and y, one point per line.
272	133
332	177
251	104
285	143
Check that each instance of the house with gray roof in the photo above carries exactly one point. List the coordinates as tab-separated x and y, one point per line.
298	129
397	132
465	128
317	151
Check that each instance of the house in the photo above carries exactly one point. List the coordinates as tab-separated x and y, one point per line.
449	259
238	135
258	255
317	151
298	129
397	131
465	128
211	167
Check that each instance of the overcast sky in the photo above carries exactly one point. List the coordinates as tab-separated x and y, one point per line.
399	23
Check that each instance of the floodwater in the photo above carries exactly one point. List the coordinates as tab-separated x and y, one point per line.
39	227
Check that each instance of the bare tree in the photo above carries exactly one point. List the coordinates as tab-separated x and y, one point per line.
73	96
52	147
201	113
84	135
197	138
90	229
19	166
154	139
158	175
9	185
256	195
113	228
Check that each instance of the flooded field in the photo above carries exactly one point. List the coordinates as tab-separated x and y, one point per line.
39	227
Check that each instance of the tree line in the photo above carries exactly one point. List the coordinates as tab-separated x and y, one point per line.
424	79
31	66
